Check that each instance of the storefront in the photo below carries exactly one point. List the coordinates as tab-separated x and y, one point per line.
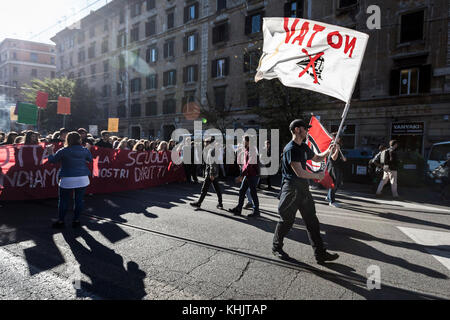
409	136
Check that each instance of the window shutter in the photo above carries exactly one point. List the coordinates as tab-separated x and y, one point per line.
175	77
246	62
227	66
196	72
214	39
147	29
156	81
196	11
166	49
214	69
156	54
196	41
185	74
165	78
186	12
147	55
287	10
425	78
300	6
225	32
185	43
248	24
395	83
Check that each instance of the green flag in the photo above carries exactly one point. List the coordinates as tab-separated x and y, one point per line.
27	114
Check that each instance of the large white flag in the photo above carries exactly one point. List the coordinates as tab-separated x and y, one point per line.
312	55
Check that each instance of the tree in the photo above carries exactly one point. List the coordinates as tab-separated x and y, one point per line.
83	106
282	105
216	116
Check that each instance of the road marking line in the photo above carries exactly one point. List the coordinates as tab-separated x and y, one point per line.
437	243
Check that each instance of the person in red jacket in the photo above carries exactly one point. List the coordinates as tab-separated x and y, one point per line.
249	179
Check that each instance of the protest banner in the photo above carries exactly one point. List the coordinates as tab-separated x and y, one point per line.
26	173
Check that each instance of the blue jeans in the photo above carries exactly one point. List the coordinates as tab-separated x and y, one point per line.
337	183
249	182
64	199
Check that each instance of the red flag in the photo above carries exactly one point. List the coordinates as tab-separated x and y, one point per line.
41	99
319	140
63	105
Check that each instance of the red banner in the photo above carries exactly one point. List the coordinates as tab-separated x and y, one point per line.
27	174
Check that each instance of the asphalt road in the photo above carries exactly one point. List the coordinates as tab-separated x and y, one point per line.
150	244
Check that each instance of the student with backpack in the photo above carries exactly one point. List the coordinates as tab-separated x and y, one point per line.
389	161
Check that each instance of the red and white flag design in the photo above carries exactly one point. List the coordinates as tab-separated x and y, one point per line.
312	55
319	140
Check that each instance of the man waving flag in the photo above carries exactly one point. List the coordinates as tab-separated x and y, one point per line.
312	55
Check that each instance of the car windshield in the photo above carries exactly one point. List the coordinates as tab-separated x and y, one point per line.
439	152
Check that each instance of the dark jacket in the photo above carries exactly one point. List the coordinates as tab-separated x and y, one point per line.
104	144
251	166
73	161
212	168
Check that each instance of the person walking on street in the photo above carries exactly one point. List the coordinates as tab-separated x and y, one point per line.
335	170
74	176
295	194
212	175
249	179
389	161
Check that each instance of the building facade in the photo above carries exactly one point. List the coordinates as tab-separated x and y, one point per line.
153	63
20	62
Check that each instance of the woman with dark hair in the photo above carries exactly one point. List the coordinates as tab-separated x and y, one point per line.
31	137
335	170
9	139
74	176
139	147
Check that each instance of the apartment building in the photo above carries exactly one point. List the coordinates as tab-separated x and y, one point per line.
151	62
20	62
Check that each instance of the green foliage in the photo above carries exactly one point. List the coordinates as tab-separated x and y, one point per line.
83	106
282	105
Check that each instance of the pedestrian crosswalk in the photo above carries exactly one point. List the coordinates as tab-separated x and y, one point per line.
437	243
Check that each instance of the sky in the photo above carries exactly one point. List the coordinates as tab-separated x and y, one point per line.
40	20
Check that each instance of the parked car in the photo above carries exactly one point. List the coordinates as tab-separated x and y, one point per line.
438	155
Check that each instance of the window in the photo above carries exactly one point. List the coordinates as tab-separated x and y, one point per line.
190	43
135	85
122	110
135	56
136	108
105	25
106	91
220	68
190	74
220	33
348	135
15	70
169	105
191	12
122	16
121	39
412	27
253	23
52	60
252	95
151	108
91	51
251	61
33	57
106	66
15	56
93	71
81	37
105	45
170	78
81	73
121	62
219	94
71	59
152	55
52	74
134	33
152	82
169	49
347	3
81	55
221	4
150	28
120	88
150	4
293	9
34	72
170	19
409	81
187	103
135	9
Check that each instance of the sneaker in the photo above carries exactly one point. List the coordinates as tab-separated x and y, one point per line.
326	257
334	204
279	253
254	214
327	199
195	204
235	211
76	224
219	206
248	206
58	225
